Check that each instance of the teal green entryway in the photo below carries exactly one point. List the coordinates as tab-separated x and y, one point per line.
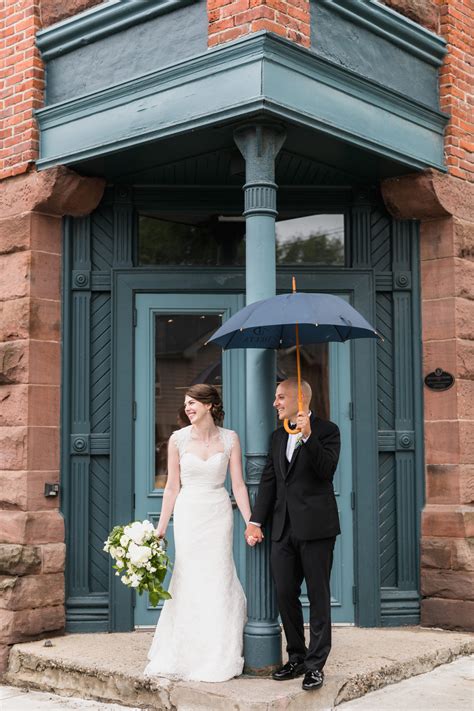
172	328
104	280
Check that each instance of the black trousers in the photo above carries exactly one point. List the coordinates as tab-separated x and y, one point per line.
293	561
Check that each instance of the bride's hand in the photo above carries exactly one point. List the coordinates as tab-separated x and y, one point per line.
160	532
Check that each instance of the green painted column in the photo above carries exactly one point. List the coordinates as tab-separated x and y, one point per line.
259	145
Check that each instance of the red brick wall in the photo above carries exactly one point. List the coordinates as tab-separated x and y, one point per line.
21	85
229	19
457	85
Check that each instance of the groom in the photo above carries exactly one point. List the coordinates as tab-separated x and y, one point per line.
296	489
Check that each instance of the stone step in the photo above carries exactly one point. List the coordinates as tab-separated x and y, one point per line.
108	667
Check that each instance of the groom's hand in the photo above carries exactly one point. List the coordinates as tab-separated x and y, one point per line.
303	423
253	534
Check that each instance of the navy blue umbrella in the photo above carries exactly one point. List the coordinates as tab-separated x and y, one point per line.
290	320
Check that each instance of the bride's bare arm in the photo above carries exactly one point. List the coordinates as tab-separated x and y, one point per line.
172	488
238	485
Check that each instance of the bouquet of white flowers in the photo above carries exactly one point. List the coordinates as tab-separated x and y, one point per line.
140	558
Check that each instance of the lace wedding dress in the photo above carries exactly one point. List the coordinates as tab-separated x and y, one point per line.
199	635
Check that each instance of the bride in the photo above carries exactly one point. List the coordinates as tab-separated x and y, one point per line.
199	635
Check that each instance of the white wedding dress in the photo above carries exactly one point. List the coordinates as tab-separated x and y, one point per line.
199	635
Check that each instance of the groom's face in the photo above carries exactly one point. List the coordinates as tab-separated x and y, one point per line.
286	401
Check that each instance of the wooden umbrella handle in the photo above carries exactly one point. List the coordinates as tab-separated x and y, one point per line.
286	424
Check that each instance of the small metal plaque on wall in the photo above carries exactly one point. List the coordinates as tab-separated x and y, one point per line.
439	379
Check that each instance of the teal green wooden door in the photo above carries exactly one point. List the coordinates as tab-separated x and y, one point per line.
170	355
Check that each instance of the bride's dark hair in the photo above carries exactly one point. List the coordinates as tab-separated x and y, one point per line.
208	395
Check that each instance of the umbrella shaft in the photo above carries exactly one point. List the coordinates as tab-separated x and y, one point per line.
298	368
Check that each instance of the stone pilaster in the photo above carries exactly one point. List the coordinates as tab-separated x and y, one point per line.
32	550
444	205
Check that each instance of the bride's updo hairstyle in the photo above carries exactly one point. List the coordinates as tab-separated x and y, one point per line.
208	395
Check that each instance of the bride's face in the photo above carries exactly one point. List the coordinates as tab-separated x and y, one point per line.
195	410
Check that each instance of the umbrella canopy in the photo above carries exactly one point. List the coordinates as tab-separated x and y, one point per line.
271	323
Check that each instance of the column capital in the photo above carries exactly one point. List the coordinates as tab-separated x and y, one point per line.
260	144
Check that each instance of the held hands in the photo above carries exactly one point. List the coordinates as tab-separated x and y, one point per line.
253	534
303	423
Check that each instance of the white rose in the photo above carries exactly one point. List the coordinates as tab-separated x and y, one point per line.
124	541
120	563
125	580
138	555
136	532
120	552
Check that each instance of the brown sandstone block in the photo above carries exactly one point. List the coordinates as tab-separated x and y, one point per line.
463	554
31	591
464	318
31	527
4	656
45	320
438	319
43	405
464	278
438	278
13	490
436	553
465	398
442	442
45	362
45	279
440	404
24	490
465	359
15	233
437	238
464	239
17	559
46	233
15	319
14	362
451	584
442	483
54	557
466	484
450	521
35	498
22	625
13	405
440	354
13	447
43	448
15	274
449	614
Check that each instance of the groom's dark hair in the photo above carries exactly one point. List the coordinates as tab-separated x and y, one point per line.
208	395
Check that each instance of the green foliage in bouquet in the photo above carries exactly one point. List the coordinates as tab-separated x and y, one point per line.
140	559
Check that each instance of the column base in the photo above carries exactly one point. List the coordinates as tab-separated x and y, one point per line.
262	649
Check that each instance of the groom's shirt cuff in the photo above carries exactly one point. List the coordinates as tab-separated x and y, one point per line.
254	523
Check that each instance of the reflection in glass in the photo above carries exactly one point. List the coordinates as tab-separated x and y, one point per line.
213	242
181	360
315	239
314	369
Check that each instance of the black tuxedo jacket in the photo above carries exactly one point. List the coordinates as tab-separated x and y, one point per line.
302	487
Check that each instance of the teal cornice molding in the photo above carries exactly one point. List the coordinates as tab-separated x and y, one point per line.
393	27
260	74
99	22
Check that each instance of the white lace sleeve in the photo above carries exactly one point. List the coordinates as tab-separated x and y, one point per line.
179	439
229	437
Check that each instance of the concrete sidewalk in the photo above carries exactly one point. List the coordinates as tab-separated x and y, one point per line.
108	667
446	688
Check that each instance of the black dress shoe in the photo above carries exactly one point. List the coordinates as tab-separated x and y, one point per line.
313	680
290	670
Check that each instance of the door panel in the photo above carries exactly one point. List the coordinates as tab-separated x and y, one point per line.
170	355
